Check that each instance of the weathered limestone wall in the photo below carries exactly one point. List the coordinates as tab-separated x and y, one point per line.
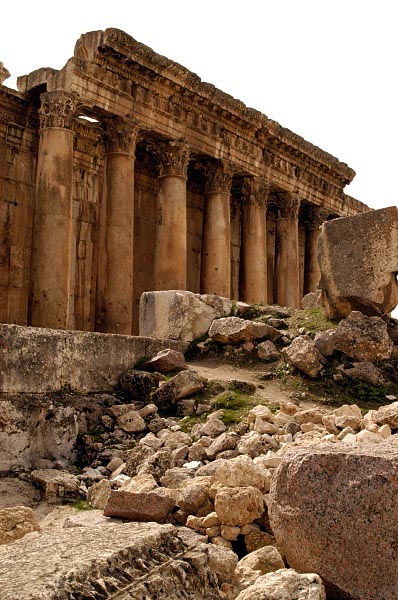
18	157
35	360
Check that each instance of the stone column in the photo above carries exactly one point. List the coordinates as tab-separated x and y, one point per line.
171	226
253	265
287	276
52	229
312	273
116	304
215	276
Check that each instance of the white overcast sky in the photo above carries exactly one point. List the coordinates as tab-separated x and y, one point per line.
327	69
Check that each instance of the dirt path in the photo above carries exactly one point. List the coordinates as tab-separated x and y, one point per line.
268	391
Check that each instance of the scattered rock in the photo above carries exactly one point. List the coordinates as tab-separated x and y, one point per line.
267	351
138	385
155	505
98	494
16	522
285	584
359	337
55	485
304	355
238	505
166	361
182	385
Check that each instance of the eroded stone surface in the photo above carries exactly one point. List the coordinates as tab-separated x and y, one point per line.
334	511
285	584
144	560
359	258
303	354
16	522
180	315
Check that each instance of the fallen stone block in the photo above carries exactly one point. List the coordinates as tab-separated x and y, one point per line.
135	561
55	485
304	355
358	258
358	336
334	511
166	361
155	505
180	315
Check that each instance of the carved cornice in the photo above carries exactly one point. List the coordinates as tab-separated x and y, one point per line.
120	135
246	118
288	205
58	109
4	73
218	174
173	158
255	192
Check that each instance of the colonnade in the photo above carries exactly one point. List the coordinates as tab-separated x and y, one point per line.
51	251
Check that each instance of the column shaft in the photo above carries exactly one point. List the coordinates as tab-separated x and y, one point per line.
52	230
216	242
171	228
312	272
116	305
253	267
287	278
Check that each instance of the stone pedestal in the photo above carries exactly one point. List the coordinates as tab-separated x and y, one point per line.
52	230
171	227
287	269
253	265
216	243
116	300
312	272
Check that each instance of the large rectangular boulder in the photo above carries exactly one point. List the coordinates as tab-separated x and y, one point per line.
358	258
180	315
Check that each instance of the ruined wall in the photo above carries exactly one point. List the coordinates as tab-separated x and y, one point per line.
18	158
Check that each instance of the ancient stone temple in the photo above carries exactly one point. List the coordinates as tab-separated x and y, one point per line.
124	172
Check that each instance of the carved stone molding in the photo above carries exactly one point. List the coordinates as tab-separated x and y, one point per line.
4	73
58	109
120	135
255	191
288	205
173	158
218	175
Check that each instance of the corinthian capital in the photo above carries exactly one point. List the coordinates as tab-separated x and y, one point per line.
120	134
288	205
173	158
316	215
58	109
219	175
255	192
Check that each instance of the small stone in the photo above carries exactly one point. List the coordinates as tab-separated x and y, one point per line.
166	361
98	494
239	505
16	522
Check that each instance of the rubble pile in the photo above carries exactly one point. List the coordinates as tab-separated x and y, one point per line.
163	453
